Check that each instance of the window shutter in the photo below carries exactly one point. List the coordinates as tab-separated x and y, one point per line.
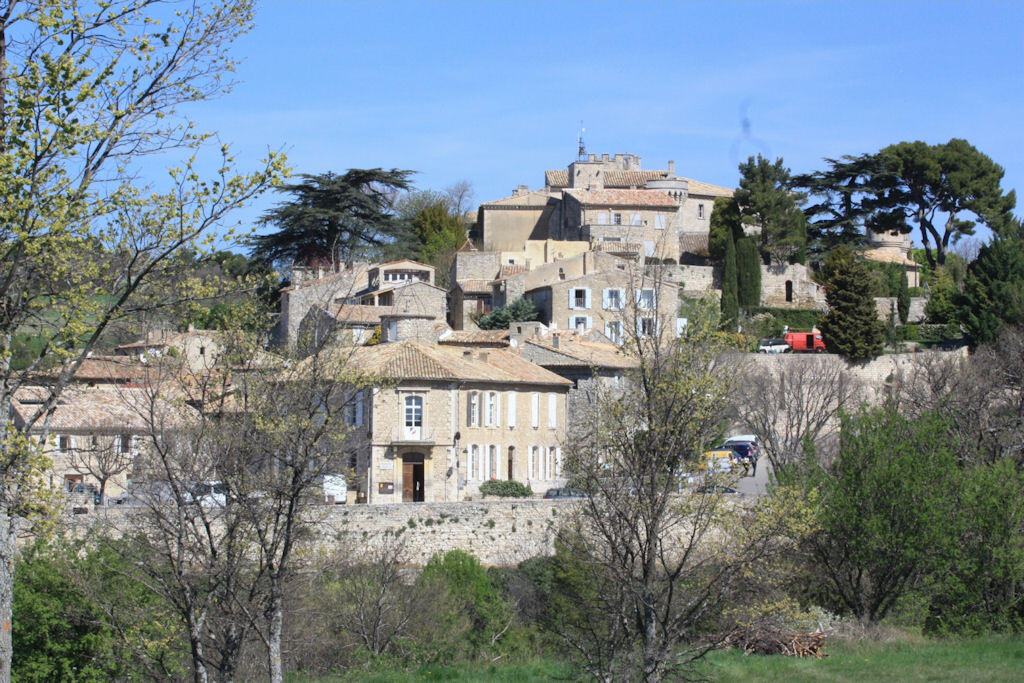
587	297
558	461
511	409
622	298
590	322
552	411
359	408
572	303
497	409
535	410
529	464
604	299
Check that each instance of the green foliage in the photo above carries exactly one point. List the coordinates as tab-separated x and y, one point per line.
797	319
903	297
730	296
76	617
941	305
519	311
767	199
979	590
993	294
887	510
440	234
503	488
331	218
930	334
851	327
465	578
748	273
725	226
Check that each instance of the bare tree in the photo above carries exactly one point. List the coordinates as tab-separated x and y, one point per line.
652	556
786	400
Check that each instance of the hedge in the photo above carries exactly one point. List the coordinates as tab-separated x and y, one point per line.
504	488
797	319
928	333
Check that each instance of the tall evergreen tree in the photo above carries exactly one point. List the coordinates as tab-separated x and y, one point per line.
851	327
994	289
439	234
730	301
767	199
333	218
725	225
748	273
903	296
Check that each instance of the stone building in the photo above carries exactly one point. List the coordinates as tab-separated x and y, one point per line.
311	290
894	247
199	349
447	419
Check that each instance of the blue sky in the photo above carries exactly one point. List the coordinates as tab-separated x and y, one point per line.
493	92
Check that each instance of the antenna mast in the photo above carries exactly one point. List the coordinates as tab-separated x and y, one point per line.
581	154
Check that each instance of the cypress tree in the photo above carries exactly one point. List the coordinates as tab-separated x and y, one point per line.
994	290
851	327
725	226
730	303
903	297
748	273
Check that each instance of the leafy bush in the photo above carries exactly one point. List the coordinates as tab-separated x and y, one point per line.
931	334
915	291
798	319
519	311
505	489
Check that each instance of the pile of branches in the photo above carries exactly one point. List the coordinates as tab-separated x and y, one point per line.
764	639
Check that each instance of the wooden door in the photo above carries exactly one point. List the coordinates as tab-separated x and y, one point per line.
408	479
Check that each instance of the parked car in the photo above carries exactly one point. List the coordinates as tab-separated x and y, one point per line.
563	493
210	493
719	460
773	346
807	342
716	488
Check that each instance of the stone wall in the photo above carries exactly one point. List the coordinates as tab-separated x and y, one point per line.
885	304
802	292
699	280
498	533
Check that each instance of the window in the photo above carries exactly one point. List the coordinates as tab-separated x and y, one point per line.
602	218
64	443
392	330
511	410
531	463
634	219
202	350
535	410
493	471
579	297
613	330
578	321
645	299
124	443
616	219
413	417
473	463
549	464
552	411
700	211
789	290
558	462
648	248
613	299
659	221
473	409
646	327
492	415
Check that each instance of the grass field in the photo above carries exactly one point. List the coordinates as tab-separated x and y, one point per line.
985	659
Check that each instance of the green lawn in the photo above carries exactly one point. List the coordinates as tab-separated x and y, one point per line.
986	659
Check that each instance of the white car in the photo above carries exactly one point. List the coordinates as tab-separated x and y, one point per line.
210	493
773	346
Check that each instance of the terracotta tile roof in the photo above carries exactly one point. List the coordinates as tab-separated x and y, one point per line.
496	338
559	179
107	369
356	274
165	338
510	269
417	361
696	187
475	286
579	353
694	243
426	266
622	197
92	409
886	256
357	314
535	198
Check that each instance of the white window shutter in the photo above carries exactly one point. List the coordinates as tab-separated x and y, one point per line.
572	302
497	409
511	409
558	461
622	298
529	463
590	322
552	411
359	408
535	410
588	297
604	299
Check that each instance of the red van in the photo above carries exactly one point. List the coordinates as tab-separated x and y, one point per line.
805	341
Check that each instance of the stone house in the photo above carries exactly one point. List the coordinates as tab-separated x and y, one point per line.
94	435
446	419
625	222
616	302
317	289
199	349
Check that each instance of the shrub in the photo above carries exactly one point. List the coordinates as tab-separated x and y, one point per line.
464	576
748	273
798	319
505	489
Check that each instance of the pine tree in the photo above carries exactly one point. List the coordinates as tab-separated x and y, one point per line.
851	327
748	273
994	290
730	302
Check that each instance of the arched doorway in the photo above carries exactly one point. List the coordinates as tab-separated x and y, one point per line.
413	481
511	462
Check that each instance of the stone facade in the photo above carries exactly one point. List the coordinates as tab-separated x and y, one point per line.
790	287
297	299
885	305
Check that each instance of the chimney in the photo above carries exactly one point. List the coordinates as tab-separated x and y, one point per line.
671	169
604	157
556	340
